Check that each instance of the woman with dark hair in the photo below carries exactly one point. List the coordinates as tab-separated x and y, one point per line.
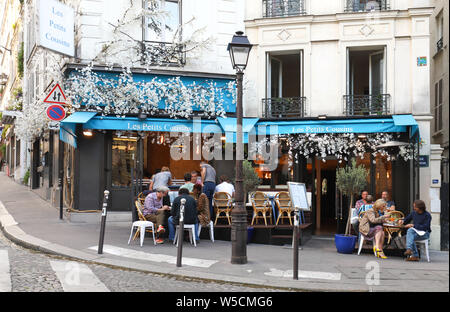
202	205
420	229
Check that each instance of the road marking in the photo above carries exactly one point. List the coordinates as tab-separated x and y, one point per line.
77	277
305	274
129	253
5	273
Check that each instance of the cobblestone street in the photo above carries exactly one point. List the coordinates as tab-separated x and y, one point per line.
32	272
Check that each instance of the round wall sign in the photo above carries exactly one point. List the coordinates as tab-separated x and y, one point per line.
56	112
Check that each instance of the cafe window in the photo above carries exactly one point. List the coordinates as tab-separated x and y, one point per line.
123	158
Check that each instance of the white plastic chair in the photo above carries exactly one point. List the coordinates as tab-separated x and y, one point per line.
191	229
361	243
425	242
211	230
141	226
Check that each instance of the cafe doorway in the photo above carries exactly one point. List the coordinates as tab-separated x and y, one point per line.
325	196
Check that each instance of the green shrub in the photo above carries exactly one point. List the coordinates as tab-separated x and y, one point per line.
351	180
20	61
251	179
26	177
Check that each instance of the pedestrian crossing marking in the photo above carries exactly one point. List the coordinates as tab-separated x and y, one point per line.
5	272
305	274
140	255
77	277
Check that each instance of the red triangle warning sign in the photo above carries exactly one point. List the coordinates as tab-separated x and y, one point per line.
56	96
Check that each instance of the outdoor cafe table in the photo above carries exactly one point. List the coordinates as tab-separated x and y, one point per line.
392	228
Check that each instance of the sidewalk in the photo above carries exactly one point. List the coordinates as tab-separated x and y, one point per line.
32	222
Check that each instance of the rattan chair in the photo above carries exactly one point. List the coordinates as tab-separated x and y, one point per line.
261	205
141	198
222	205
283	202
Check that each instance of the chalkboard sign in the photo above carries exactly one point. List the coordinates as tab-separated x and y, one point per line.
299	197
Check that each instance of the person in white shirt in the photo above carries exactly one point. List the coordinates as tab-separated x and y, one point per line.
225	186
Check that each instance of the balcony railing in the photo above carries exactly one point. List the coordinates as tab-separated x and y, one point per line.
366	5
440	44
283	8
292	107
163	53
367	104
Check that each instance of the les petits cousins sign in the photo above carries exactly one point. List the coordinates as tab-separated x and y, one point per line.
56	26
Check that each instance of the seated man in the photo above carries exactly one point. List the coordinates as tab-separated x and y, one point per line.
390	203
420	229
190	213
187	182
154	210
362	201
363	208
224	186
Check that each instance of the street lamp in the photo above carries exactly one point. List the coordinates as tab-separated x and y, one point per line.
239	49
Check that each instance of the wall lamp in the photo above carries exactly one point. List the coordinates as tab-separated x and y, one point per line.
142	116
88	132
362	136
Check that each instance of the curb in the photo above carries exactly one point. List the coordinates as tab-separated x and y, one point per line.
14	233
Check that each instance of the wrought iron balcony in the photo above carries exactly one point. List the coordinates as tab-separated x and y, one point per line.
367	104
440	44
163	53
366	5
292	107
283	8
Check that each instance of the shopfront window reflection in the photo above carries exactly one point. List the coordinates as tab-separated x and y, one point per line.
123	156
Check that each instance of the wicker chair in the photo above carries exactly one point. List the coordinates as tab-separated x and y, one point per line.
283	202
222	205
261	205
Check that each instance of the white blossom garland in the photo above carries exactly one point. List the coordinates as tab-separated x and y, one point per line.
343	146
89	90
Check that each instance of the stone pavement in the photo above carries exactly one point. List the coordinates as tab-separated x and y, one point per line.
32	222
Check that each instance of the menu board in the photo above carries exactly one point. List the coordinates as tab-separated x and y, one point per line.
299	197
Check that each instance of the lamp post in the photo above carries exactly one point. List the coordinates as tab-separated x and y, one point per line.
239	49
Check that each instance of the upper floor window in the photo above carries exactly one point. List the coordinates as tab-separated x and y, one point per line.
440	31
366	5
282	8
164	25
438	105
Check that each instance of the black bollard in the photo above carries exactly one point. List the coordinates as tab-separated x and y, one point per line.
180	233
103	222
295	247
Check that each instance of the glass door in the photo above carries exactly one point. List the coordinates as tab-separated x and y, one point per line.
123	163
376	81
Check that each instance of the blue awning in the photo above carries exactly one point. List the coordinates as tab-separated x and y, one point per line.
337	126
406	120
153	124
229	126
68	125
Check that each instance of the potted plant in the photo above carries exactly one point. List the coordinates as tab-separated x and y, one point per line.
251	183
350	180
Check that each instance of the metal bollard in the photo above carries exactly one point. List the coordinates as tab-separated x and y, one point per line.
103	222
295	247
180	232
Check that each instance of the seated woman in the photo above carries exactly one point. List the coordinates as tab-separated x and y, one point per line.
420	229
371	226
202	205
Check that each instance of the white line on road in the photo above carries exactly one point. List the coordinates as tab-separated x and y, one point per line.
129	253
77	277
5	275
305	274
